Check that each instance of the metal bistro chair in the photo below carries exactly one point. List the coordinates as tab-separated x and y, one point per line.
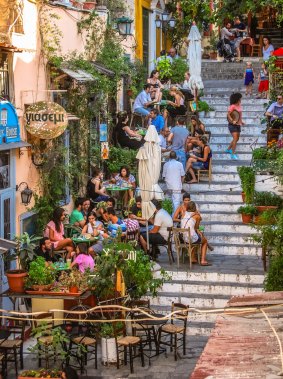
136	115
180	235
176	330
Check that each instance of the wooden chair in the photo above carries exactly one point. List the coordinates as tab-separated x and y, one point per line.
180	235
13	347
135	115
256	50
133	235
207	172
176	330
167	245
45	321
126	345
82	347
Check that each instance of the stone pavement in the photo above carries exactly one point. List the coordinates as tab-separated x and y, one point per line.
160	368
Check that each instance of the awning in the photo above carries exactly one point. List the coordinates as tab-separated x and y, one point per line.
14	145
78	75
102	69
6	245
9	47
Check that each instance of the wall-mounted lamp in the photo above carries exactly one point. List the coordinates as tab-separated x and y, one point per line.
26	193
124	26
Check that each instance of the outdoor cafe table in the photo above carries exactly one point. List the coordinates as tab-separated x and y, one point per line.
117	191
81	239
45	302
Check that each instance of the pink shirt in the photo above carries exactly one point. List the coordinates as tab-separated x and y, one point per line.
84	261
58	236
238	108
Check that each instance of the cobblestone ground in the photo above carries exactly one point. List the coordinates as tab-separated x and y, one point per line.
161	367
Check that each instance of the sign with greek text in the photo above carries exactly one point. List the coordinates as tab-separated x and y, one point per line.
46	120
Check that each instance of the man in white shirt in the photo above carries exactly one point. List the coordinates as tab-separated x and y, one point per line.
158	235
226	34
173	173
143	101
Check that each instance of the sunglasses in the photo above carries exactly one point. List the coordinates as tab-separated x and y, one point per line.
279	98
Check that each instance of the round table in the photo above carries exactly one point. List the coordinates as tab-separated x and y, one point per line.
89	241
116	190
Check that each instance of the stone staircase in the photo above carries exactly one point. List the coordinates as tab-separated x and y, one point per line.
275	34
236	260
229	71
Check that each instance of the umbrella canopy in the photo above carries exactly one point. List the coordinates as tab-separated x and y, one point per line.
149	156
194	58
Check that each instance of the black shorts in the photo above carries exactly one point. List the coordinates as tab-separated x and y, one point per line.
234	128
154	238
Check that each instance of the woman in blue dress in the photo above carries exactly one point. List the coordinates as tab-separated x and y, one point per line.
249	79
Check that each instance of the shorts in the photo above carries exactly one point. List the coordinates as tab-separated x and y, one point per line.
198	240
238	42
263	86
141	111
155	239
198	165
234	128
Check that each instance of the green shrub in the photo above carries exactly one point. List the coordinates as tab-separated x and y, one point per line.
119	157
260	153
274	278
247	210
267	199
179	67
167	205
202	106
247	177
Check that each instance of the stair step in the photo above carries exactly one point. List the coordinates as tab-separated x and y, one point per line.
203	205
215	196
241	147
214	185
228	226
246	108
244	137
222	120
229	238
222	155
224	101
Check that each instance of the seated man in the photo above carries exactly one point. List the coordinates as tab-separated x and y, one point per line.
143	101
136	214
156	119
45	250
158	235
77	218
115	223
164	133
275	112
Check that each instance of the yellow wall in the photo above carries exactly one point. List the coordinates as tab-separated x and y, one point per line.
139	4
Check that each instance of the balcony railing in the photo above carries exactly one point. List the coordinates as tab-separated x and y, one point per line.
4	81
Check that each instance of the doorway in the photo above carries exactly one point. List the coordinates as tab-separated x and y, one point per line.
145	37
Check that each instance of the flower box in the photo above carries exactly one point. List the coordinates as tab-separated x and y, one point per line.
41	374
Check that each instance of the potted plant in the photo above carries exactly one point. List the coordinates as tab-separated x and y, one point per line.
202	108
108	343
74	280
247	212
268	217
212	112
24	253
267	200
41	373
247	177
89	5
164	67
40	276
179	67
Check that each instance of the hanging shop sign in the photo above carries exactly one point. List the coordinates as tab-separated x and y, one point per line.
46	120
104	150
103	135
9	123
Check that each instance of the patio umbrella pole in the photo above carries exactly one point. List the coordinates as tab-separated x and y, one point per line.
147	236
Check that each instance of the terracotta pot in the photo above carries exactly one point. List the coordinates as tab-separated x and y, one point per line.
73	289
213	55
262	208
243	197
130	93
41	287
247	219
89	5
16	280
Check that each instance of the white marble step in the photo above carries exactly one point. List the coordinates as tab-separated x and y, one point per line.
225	101
209	288
252	130
214	185
217	176
239	249
216	196
228	166
220	216
229	238
225	156
222	119
246	107
218	206
244	138
228	227
217	147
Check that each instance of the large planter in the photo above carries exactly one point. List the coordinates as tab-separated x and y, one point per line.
108	351
16	280
213	55
247	219
263	208
89	5
41	287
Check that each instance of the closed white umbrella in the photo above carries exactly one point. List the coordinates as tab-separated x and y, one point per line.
149	156
194	59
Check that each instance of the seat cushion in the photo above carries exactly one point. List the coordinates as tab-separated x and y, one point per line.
171	328
128	340
82	340
9	344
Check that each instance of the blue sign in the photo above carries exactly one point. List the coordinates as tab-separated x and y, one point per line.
9	123
103	133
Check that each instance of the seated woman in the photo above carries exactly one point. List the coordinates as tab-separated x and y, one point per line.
126	136
95	228
191	145
196	126
182	209
176	107
202	162
191	219
55	232
156	93
126	178
95	189
83	260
